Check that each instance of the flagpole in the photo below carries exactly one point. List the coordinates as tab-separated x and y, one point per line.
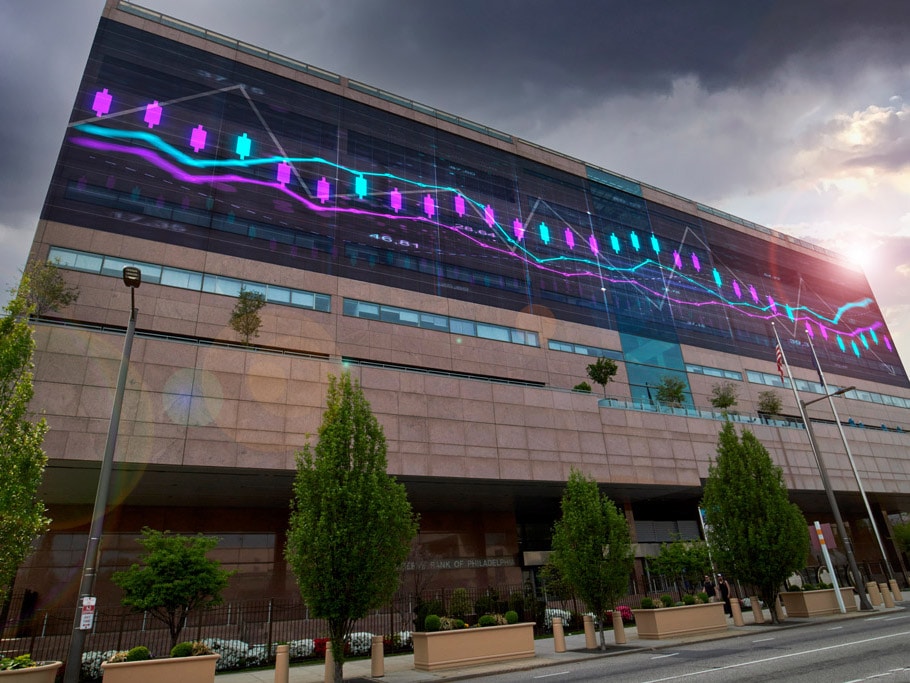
859	482
864	603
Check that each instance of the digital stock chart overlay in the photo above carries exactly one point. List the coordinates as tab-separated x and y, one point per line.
184	147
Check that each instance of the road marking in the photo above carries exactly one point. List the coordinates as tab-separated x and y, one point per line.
835	628
762	640
558	673
771	659
665	656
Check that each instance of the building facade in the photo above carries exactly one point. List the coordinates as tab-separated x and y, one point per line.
464	276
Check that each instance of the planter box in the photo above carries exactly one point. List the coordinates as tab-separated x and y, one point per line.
673	622
817	603
199	669
448	649
43	673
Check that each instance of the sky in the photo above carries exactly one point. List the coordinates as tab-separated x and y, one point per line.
794	114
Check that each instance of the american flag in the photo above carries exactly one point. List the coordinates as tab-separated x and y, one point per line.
779	353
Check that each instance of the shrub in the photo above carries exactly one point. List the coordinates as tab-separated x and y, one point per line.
300	649
511	617
360	643
647	603
20	662
702	597
551	612
425	608
487	603
460	603
138	654
688	599
517	601
666	600
182	650
487	620
625	613
582	387
432	623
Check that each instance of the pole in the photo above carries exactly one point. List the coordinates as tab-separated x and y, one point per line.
859	483
93	547
826	482
827	556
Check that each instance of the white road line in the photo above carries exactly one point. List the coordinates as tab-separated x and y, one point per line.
772	659
665	656
558	673
835	628
762	640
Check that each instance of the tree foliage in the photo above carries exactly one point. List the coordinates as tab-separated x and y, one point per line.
245	318
769	402
724	395
22	458
351	523
671	391
174	579
602	372
901	536
682	562
756	534
591	546
48	291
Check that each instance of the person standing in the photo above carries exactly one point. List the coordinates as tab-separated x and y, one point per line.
708	587
724	589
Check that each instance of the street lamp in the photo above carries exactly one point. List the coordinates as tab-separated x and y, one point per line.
85	606
864	603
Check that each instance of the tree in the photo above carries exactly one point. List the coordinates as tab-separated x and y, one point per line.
723	396
174	579
245	318
351	523
591	546
683	562
900	533
671	391
602	372
22	459
48	291
769	402
756	534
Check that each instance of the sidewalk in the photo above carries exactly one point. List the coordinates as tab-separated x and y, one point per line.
400	668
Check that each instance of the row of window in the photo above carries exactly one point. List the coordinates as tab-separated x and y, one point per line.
188	279
228	286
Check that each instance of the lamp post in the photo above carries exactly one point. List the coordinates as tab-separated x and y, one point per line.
864	603
85	606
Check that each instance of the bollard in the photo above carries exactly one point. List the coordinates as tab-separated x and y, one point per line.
590	639
886	595
875	595
779	608
559	637
329	664
619	630
377	663
737	611
756	609
896	591
282	664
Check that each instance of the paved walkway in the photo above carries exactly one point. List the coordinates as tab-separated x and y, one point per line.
400	668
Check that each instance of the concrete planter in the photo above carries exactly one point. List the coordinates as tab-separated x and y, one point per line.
199	669
817	603
43	673
673	622
448	649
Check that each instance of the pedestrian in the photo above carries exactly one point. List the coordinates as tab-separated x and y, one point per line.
708	587
724	589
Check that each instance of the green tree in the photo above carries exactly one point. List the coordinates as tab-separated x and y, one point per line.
901	535
48	291
245	318
681	562
351	523
591	546
174	579
757	535
724	396
582	387
602	372
22	458
769	402
671	391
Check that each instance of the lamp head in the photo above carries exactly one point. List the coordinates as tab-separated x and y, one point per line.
132	277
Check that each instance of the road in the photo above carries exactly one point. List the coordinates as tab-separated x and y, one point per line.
876	648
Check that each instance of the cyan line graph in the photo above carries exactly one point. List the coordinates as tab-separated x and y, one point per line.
587	258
